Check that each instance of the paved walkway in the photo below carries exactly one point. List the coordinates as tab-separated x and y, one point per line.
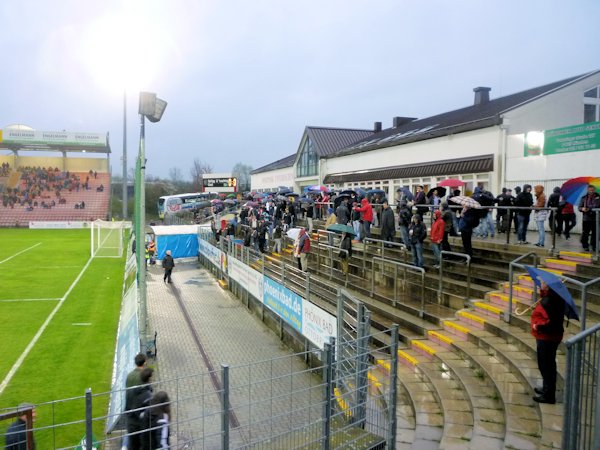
200	326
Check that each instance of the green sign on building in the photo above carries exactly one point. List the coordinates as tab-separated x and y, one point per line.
578	138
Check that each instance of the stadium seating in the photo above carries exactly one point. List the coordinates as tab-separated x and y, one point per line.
96	205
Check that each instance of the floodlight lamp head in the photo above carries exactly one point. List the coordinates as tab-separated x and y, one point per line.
147	104
159	109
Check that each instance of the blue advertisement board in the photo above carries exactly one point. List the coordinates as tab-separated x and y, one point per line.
285	303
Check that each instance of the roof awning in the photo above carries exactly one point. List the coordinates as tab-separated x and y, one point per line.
459	166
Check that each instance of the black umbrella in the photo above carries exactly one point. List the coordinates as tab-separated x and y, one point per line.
440	190
376	191
338	199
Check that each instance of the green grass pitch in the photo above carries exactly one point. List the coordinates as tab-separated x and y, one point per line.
76	350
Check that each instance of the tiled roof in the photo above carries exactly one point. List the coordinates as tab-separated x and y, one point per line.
457	121
282	163
476	164
328	141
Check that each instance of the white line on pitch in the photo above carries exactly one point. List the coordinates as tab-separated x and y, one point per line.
22	251
29	300
17	364
59	267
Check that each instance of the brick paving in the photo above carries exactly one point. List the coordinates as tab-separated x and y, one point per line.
220	330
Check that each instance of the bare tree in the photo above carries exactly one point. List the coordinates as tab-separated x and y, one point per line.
175	174
242	171
199	168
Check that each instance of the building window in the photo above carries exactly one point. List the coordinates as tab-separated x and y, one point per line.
591	105
308	161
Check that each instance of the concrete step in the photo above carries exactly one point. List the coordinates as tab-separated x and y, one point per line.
522	419
500	300
520	291
561	264
579	257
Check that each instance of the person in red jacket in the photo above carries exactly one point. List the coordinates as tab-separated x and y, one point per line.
547	329
366	216
436	237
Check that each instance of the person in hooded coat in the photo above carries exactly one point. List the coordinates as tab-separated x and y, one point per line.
436	237
547	329
366	214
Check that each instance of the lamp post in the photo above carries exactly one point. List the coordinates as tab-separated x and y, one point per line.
125	200
152	108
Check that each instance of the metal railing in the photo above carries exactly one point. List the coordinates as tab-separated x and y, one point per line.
581	429
511	272
467	259
276	403
406	268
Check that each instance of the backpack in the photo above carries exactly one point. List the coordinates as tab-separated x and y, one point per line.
306	244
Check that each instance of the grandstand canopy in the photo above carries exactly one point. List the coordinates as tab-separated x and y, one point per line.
21	137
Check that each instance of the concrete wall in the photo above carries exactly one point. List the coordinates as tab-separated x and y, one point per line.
273	179
560	109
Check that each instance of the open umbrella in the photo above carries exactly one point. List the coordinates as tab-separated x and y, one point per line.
283	190
231	196
556	284
306	200
376	191
292	194
230	201
405	192
360	192
251	204
293	233
451	182
350	192
341	228
440	190
216	201
572	190
316	188
338	199
465	201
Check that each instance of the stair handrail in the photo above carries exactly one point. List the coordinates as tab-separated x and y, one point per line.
441	271
511	267
382	244
330	249
406	266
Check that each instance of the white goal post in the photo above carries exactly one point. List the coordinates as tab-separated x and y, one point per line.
107	238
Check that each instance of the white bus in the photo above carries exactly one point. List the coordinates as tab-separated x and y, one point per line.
182	202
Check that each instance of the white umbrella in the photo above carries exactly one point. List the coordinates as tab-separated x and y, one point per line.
293	233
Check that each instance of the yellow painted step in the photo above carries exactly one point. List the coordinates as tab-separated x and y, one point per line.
472	317
556	271
423	346
456	326
575	254
488	307
384	363
342	403
440	337
408	358
374	381
562	262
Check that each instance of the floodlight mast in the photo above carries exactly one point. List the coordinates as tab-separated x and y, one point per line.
152	108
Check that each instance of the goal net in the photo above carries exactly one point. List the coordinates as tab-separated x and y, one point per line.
107	239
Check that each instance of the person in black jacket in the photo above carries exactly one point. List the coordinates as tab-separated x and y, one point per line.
524	199
587	204
156	420
504	199
388	226
469	219
342	213
404	221
168	263
417	232
556	218
136	399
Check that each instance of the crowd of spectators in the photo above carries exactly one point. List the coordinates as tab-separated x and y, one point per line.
5	170
42	187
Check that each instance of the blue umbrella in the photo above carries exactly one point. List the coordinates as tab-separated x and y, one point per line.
555	283
408	196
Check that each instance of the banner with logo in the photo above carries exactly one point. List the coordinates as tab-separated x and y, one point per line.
578	138
285	303
317	325
251	279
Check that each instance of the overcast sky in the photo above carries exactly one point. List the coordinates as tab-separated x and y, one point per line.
244	77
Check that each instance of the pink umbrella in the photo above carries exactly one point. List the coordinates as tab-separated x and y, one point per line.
452	182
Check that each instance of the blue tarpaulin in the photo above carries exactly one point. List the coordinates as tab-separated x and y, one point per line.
182	240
